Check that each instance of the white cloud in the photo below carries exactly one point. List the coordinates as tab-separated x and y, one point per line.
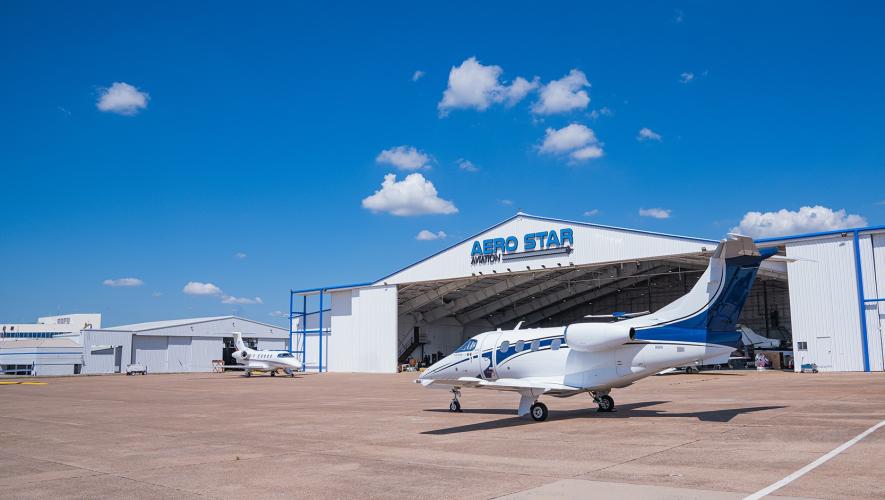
506	203
579	141
474	85
229	299
413	195
603	111
157	294
805	220
404	158
426	235
657	213
467	165
591	213
686	77
679	16
565	94
123	282
647	134
199	288
417	75
279	314
123	99
240	255
588	153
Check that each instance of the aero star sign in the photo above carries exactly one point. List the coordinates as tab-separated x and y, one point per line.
544	243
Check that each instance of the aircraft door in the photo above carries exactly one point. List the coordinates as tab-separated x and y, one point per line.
487	365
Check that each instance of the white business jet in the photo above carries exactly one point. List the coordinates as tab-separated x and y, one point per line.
598	357
269	361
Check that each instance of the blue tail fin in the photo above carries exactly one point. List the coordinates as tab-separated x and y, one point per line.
710	311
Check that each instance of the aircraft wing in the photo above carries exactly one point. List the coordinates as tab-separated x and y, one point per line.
504	384
514	384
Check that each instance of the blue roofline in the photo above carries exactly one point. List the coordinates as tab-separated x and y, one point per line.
821	233
537	217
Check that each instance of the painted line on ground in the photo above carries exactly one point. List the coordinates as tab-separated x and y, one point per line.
808	468
22	383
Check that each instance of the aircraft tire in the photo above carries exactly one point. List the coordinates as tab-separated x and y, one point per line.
539	412
248	373
606	403
454	406
273	373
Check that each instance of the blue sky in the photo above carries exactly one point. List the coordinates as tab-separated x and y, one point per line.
260	129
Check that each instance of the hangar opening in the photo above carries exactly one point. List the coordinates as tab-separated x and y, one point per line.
435	318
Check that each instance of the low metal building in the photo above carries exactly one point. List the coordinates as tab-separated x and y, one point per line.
40	356
181	345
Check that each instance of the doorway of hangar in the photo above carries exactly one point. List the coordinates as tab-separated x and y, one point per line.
436	317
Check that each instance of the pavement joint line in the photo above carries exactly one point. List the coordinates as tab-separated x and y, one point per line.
813	465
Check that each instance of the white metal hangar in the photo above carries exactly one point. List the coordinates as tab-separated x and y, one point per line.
181	345
836	288
530	269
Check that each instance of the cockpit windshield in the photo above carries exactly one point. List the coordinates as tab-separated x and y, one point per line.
285	355
468	346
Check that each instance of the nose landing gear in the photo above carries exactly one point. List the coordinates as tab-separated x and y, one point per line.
455	405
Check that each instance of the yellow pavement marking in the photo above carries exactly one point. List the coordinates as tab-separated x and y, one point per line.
22	383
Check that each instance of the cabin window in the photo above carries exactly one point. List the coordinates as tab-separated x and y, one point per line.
520	345
505	346
285	355
555	344
536	344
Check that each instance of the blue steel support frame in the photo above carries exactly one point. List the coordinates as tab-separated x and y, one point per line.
322	331
861	302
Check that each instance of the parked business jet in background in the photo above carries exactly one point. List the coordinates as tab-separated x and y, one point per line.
597	357
267	361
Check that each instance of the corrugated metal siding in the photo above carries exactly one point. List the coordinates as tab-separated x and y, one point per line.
204	350
874	288
178	356
593	245
823	302
364	330
103	361
151	351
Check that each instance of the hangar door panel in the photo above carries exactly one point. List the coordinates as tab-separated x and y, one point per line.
178	358
150	351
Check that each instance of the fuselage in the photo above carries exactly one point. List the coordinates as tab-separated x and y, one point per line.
266	360
542	355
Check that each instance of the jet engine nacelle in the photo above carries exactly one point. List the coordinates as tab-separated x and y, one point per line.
595	337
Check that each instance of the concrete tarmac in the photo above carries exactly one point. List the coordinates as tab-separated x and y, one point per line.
712	435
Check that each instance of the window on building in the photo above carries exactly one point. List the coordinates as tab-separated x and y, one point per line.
802	346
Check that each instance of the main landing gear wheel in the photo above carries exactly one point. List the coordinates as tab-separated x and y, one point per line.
538	412
273	373
606	403
248	373
454	406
